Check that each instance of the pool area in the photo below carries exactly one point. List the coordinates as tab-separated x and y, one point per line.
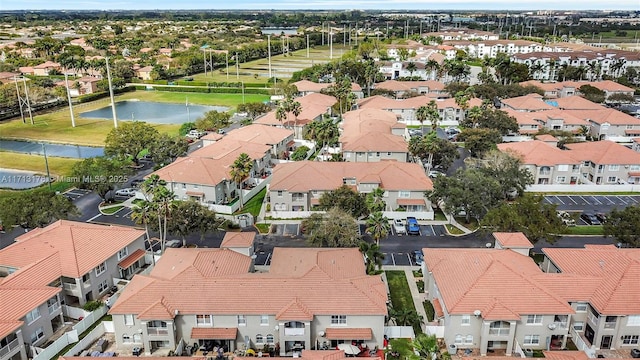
61	150
153	112
20	180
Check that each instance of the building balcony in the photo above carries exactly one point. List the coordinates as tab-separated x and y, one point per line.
294	332
54	307
10	349
158	331
499	332
610	325
71	287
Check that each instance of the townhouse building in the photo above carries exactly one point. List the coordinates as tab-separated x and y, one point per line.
399	88
491	48
306	87
298	186
307	298
526	103
372	135
66	263
405	109
609	124
607	162
468	292
548	164
563	89
401	69
46	68
559	120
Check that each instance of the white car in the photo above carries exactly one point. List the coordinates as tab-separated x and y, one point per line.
195	134
399	226
173	244
128	192
435	173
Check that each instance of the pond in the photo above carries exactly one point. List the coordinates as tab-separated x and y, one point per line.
61	150
153	112
18	179
278	31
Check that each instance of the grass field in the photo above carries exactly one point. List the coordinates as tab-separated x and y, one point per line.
57	165
585	230
257	71
56	126
254	204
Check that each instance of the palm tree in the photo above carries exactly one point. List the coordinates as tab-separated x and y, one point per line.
375	200
411	67
433	67
535	69
160	201
426	346
378	226
617	66
281	113
373	257
141	215
295	108
240	170
422	114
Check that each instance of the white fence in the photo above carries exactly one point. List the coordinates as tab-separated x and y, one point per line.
582	345
399	332
584	188
438	331
84	343
69	337
246	196
74	312
420	215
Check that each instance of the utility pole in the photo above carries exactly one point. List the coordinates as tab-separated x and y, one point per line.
331	44
113	103
269	49
23	102
237	67
66	83
322	32
227	61
307	46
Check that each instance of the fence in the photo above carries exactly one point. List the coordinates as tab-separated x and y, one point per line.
84	343
584	188
74	312
71	336
438	331
581	344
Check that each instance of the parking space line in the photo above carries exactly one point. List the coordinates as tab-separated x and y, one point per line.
622	201
585	201
562	202
571	198
611	202
266	261
632	199
393	259
410	262
596	200
547	200
433	232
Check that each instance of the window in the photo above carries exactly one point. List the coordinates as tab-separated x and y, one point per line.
630	340
532	339
578	325
404	194
259	339
195	186
389	153
269	338
137	338
37	335
458	339
184	186
123	253
534	319
126	339
633	320
612	179
581	307
466	320
264	320
561	179
468	339
242	320
33	315
279	193
338	319
634	167
103	286
128	319
204	320
100	269
614	167
563	167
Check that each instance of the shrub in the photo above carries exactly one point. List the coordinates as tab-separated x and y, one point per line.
428	309
92	305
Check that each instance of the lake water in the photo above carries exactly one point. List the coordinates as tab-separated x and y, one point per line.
18	179
153	112
61	150
278	31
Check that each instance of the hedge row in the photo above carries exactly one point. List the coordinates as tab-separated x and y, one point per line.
219	84
99	95
206	90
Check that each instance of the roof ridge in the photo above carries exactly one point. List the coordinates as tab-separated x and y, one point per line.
74	253
609	294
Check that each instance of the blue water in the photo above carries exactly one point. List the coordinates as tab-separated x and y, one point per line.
278	31
18	179
153	112
61	150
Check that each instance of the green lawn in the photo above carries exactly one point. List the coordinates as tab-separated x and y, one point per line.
472	225
57	165
263	228
453	230
254	204
112	210
399	289
585	230
439	215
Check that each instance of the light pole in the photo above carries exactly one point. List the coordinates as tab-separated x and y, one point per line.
269	52
113	103
237	67
46	164
243	92
66	83
307	46
227	61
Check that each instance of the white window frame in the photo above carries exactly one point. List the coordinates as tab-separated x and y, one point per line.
104	286
39	334
259	339
101	269
630	339
563	167
582	307
129	320
32	316
270	339
465	320
578	325
404	194
459	339
561	179
531	340
338	319
126	339
123	253
468	339
614	167
612	179
204	320
264	320
534	319
242	320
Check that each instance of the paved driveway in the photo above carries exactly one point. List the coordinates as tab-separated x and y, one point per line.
592	203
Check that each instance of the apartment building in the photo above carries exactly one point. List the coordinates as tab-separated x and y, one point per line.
526	103
607	162
399	88
548	164
405	109
314	107
66	263
306	87
372	135
491	48
309	296
569	88
609	124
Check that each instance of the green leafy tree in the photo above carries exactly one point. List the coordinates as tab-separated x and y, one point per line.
529	215
167	148
185	128
372	257
141	214
187	218
624	225
213	121
129	139
486	117
254	109
592	93
426	346
620	98
99	174
34	209
346	199
506	168
160	201
323	132
444	152
406	317
430	113
378	226
375	200
240	171
479	140
335	228
300	153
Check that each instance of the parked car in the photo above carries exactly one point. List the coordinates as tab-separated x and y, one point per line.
399	226
418	258
590	219
195	134
435	173
136	182
566	218
128	192
412	226
173	244
602	217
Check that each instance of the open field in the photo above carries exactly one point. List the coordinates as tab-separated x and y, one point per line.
56	126
257	71
57	165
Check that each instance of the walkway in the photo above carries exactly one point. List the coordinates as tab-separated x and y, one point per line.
417	297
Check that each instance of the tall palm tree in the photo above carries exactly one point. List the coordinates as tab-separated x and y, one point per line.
411	67
378	226
240	171
160	201
433	67
535	69
375	200
373	257
141	215
281	114
616	67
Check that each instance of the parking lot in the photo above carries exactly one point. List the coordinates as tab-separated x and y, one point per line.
592	203
75	194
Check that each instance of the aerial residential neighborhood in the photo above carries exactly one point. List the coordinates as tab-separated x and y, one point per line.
206	181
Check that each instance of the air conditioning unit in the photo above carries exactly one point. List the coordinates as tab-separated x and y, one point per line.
552	326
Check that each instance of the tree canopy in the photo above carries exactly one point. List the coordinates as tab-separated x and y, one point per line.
624	225
99	174
335	228
213	120
479	140
36	208
346	199
129	139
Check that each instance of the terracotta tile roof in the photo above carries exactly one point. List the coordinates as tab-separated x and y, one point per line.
608	115
411	202
473	279
349	333
8	327
76	244
565	355
22	302
613	272
214	333
238	239
604	152
212	136
295	310
523	118
546	138
437	308
384	103
310	86
370	130
47	64
567	118
539	153
183	284
132	258
530	102
604	85
159	310
313	105
576	103
512	240
259	134
395	85
196	170
228	149
303	176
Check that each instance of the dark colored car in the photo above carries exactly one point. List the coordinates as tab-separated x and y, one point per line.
136	182
418	258
602	217
590	219
412	226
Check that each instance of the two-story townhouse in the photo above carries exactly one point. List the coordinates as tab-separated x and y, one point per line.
599	281
46	68
607	162
405	109
552	90
468	292
279	139
371	135
421	87
575	102
65	263
527	124
298	186
306	87
548	164
527	103
609	124
308	297
609	87
560	120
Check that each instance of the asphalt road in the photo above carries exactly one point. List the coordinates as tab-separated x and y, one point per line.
592	203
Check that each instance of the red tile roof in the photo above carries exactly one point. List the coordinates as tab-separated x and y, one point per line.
604	152
512	240
214	333
349	333
132	258
530	102
611	116
539	153
367	130
238	239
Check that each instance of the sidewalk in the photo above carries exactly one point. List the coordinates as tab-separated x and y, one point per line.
417	297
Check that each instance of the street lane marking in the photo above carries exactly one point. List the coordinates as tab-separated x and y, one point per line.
609	200
393	259
93	218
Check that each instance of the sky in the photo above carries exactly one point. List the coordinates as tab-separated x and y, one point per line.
321	4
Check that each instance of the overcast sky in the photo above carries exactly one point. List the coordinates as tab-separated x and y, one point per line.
322	4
